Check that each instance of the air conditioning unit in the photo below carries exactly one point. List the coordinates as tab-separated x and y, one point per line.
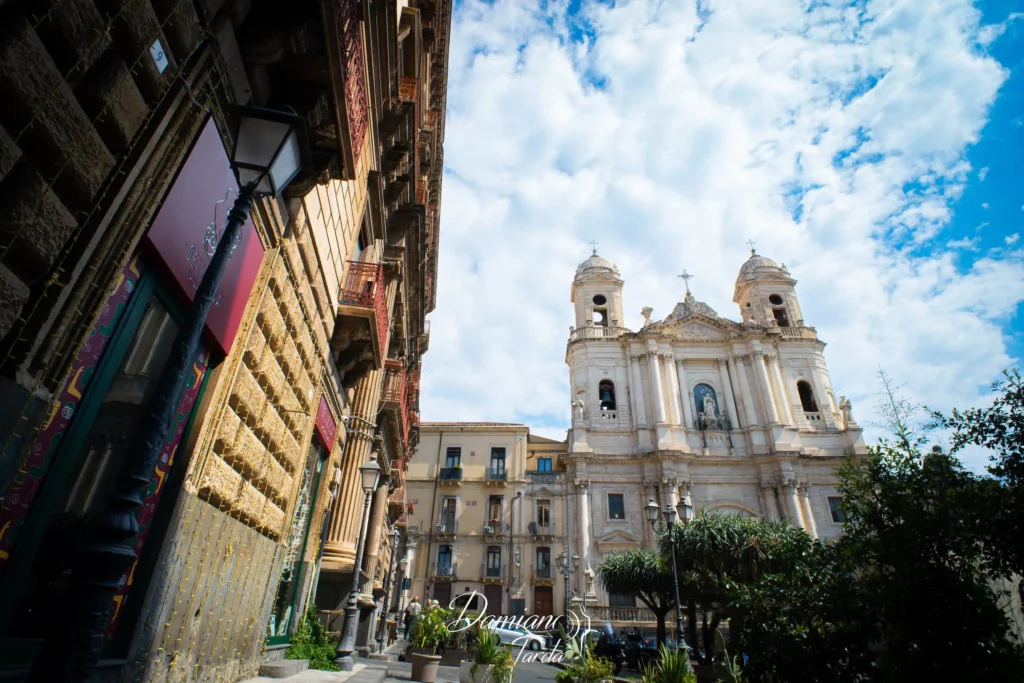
440	528
488	529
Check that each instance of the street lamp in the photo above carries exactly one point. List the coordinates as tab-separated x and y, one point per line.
369	475
671	515
388	582
270	151
567	568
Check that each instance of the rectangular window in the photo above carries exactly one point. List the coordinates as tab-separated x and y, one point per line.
621	600
448	514
493	561
835	507
494	510
616	508
543	513
444	560
543	464
453	457
544	563
498	459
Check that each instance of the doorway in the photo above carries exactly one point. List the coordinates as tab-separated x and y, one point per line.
443	593
492	594
543	601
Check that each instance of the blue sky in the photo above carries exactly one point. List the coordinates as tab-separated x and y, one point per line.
874	147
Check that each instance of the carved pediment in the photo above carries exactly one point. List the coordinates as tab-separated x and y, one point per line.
695	330
619	539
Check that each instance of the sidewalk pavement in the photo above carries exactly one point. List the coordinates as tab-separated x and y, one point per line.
375	672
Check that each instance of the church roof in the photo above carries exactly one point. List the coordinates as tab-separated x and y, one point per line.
596	263
757	267
690	306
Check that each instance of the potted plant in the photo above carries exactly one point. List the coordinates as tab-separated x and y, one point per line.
673	666
456	650
491	661
428	634
585	667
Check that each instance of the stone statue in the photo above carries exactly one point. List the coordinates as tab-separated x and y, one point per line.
646	313
709	407
847	409
578	409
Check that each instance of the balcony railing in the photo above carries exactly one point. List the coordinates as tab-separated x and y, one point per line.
407	88
545	477
493	572
395	394
710	424
364	288
643	615
451	474
446	570
492	527
799	332
447	525
541	529
596	332
497	474
543	572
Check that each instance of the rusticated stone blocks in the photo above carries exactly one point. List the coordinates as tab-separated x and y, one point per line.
13	293
33	222
112	101
58	135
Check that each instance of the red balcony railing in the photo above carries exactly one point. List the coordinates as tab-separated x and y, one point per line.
396	394
364	287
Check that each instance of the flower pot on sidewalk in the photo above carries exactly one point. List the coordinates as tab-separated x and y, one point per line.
483	673
424	666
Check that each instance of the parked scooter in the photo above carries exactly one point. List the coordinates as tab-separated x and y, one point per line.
609	647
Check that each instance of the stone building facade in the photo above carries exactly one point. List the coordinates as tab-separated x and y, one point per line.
735	417
115	135
489	514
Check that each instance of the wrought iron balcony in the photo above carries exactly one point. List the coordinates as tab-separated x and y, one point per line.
543	572
497	474
395	394
450	474
363	304
719	423
493	572
536	529
545	477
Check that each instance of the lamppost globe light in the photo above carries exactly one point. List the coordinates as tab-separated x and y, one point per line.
370	474
670	515
403	563
652	511
685	511
270	148
575	561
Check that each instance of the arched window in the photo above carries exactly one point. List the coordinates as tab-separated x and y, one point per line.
606	392
706	401
807	397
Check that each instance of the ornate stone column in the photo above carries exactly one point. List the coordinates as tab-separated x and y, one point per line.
412	540
723	375
371	550
684	394
637	390
771	508
670	488
659	395
766	387
747	397
805	499
793	503
583	493
783	395
673	385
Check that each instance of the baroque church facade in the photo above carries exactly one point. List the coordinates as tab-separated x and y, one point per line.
733	417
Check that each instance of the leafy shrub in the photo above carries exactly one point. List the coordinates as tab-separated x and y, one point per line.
586	669
311	641
430	630
488	651
673	666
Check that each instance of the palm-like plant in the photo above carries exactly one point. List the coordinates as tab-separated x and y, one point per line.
645	574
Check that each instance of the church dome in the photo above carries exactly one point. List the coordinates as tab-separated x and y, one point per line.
758	266
595	263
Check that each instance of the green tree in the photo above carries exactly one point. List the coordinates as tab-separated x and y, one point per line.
918	531
643	573
1000	429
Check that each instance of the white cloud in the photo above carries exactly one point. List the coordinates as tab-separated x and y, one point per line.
984	205
835	138
1012	239
983	173
970	244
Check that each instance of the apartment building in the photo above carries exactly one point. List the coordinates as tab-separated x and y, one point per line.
488	515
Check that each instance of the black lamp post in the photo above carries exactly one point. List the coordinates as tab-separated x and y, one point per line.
269	152
370	476
671	515
567	568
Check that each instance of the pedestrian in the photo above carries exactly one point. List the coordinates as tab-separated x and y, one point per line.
412	611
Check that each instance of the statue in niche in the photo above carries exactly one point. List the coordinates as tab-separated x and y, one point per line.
578	406
709	406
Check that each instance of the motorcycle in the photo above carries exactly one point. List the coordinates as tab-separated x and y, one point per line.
610	648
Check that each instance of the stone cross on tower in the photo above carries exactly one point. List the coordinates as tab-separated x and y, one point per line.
686	277
751	243
593	244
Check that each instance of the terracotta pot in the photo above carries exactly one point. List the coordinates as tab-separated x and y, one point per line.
424	667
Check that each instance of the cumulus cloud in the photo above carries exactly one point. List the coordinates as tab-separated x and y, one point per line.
1012	239
672	133
970	244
